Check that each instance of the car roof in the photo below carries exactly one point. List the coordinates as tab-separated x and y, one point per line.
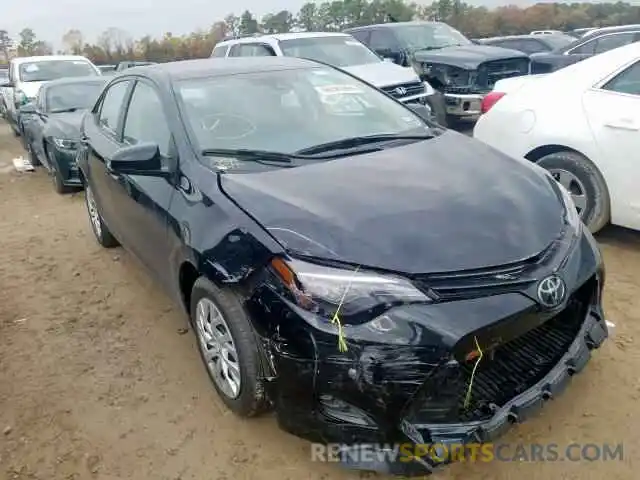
280	37
393	25
217	67
602	30
528	35
76	80
48	58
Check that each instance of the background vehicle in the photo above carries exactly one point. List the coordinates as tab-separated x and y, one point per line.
4	95
579	32
444	57
107	69
27	74
130	64
264	189
582	123
546	32
597	41
343	51
529	43
52	126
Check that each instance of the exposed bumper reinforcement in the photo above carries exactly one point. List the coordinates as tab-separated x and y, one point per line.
592	334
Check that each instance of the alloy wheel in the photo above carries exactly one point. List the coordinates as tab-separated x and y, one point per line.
218	348
94	215
573	185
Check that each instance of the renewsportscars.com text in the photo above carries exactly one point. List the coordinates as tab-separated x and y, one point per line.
473	452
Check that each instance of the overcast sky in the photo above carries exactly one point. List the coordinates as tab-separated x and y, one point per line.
50	19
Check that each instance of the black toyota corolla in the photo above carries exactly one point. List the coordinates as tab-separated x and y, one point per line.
370	276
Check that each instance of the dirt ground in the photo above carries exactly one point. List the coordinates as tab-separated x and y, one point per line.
99	380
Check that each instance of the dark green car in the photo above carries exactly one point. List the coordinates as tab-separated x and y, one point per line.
52	126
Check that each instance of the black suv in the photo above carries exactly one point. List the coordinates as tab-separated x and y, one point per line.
596	41
529	44
463	70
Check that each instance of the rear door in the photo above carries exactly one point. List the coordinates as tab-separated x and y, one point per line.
613	110
102	137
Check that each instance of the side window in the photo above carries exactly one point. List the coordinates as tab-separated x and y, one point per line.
609	42
145	105
627	81
235	50
220	51
530	46
255	50
588	48
363	36
112	106
381	39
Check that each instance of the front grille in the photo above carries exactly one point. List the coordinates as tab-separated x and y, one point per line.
404	90
490	72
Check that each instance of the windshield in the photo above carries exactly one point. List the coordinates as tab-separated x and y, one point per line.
341	51
72	96
288	110
430	35
558	41
54	69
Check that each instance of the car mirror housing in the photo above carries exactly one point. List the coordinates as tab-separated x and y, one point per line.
143	158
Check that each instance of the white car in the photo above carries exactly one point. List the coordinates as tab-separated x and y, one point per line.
26	74
343	51
581	123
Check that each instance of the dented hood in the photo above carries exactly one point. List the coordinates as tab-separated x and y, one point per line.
446	204
466	56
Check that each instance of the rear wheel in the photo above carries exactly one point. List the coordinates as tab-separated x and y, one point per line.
584	182
100	230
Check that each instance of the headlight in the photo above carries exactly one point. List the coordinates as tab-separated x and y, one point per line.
65	144
359	295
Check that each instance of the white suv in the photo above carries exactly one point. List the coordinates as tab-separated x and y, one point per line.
26	74
343	51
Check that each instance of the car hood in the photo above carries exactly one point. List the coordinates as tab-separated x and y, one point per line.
383	74
66	124
30	89
466	56
445	204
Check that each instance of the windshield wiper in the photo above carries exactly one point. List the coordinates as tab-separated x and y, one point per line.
252	155
353	142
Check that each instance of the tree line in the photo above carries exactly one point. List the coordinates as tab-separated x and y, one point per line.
114	44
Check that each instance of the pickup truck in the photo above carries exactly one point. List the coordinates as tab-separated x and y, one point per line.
462	70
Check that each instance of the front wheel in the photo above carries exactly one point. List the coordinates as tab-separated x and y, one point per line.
100	230
228	347
584	182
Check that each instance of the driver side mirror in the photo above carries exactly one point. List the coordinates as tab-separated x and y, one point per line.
140	159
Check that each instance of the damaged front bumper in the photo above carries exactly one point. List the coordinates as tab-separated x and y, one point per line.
592	334
406	386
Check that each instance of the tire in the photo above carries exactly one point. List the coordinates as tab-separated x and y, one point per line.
58	182
249	399
587	186
438	108
100	230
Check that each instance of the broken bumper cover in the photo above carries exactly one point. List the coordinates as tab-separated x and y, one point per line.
592	334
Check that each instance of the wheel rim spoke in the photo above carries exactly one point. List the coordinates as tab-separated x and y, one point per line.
218	348
574	186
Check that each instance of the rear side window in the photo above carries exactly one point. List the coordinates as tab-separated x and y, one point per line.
609	42
220	51
111	106
362	35
628	81
252	50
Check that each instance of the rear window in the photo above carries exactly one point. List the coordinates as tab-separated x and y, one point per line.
45	71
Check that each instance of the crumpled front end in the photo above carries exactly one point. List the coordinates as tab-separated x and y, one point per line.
406	376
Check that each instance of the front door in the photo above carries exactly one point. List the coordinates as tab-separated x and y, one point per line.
141	202
102	132
613	111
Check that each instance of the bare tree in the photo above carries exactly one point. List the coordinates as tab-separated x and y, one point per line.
73	41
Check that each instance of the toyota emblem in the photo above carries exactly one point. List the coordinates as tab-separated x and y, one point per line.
551	291
401	91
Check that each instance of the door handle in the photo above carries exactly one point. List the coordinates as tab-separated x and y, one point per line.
623	124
